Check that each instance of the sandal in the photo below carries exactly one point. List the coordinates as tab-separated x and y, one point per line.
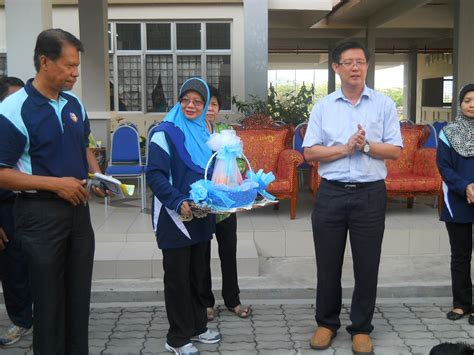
451	315
240	311
210	313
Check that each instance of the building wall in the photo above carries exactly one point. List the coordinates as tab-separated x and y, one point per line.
435	69
66	17
233	12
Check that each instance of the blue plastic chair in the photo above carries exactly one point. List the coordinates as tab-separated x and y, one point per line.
435	127
432	140
125	158
297	145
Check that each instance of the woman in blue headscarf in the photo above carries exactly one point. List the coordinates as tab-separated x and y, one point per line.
178	155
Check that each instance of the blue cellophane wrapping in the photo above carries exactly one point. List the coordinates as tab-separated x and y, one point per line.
221	197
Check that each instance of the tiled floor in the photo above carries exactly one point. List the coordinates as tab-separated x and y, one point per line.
126	247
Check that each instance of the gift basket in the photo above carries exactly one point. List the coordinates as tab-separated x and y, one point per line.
227	191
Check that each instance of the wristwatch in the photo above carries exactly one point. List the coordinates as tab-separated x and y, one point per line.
366	147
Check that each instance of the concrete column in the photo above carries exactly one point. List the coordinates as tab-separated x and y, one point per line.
24	19
331	73
463	50
95	66
370	38
409	92
256	48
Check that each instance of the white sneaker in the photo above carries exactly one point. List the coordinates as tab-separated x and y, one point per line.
188	349
208	337
14	334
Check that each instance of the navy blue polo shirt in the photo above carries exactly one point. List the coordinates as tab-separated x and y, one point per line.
40	136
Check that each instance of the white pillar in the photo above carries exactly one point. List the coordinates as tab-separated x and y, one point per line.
331	73
95	66
370	37
256	48
463	50
25	19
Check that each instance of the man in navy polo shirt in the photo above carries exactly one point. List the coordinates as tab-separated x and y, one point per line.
43	153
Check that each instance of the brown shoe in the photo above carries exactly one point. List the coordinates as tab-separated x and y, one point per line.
322	338
362	345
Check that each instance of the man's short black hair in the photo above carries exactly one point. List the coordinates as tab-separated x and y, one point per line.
7	82
50	44
452	349
346	45
215	92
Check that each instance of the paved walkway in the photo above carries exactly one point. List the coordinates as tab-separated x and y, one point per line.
400	328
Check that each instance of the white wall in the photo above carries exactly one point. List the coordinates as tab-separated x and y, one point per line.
66	17
3	36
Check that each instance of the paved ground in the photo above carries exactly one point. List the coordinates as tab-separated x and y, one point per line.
400	328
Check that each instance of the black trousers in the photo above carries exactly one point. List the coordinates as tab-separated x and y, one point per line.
184	281
361	211
460	238
226	235
15	283
58	243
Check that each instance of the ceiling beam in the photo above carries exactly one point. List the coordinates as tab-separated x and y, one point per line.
394	10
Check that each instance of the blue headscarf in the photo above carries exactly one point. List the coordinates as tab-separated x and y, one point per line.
195	131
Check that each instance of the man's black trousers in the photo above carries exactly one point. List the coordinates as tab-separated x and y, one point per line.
360	210
58	243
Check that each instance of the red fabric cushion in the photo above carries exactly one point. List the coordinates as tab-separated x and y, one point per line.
279	186
262	147
411	142
411	183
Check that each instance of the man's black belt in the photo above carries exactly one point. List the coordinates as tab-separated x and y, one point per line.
48	195
351	185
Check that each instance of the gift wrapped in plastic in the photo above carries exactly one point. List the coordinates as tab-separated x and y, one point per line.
228	147
226	190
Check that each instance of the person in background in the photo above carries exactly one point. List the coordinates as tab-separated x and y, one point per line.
15	282
351	132
455	158
226	235
178	155
44	133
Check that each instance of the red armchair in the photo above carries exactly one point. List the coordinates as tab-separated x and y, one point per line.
263	121
266	149
415	172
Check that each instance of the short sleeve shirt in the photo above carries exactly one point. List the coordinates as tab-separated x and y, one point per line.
45	137
334	120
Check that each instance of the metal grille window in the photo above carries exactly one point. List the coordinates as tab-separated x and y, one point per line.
3	65
149	61
188	66
130	82
218	75
159	83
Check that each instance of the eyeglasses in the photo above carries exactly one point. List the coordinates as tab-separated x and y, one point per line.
350	63
196	103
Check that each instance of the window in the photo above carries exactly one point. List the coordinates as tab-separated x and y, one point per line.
149	61
128	36
158	36
188	35
447	90
3	64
